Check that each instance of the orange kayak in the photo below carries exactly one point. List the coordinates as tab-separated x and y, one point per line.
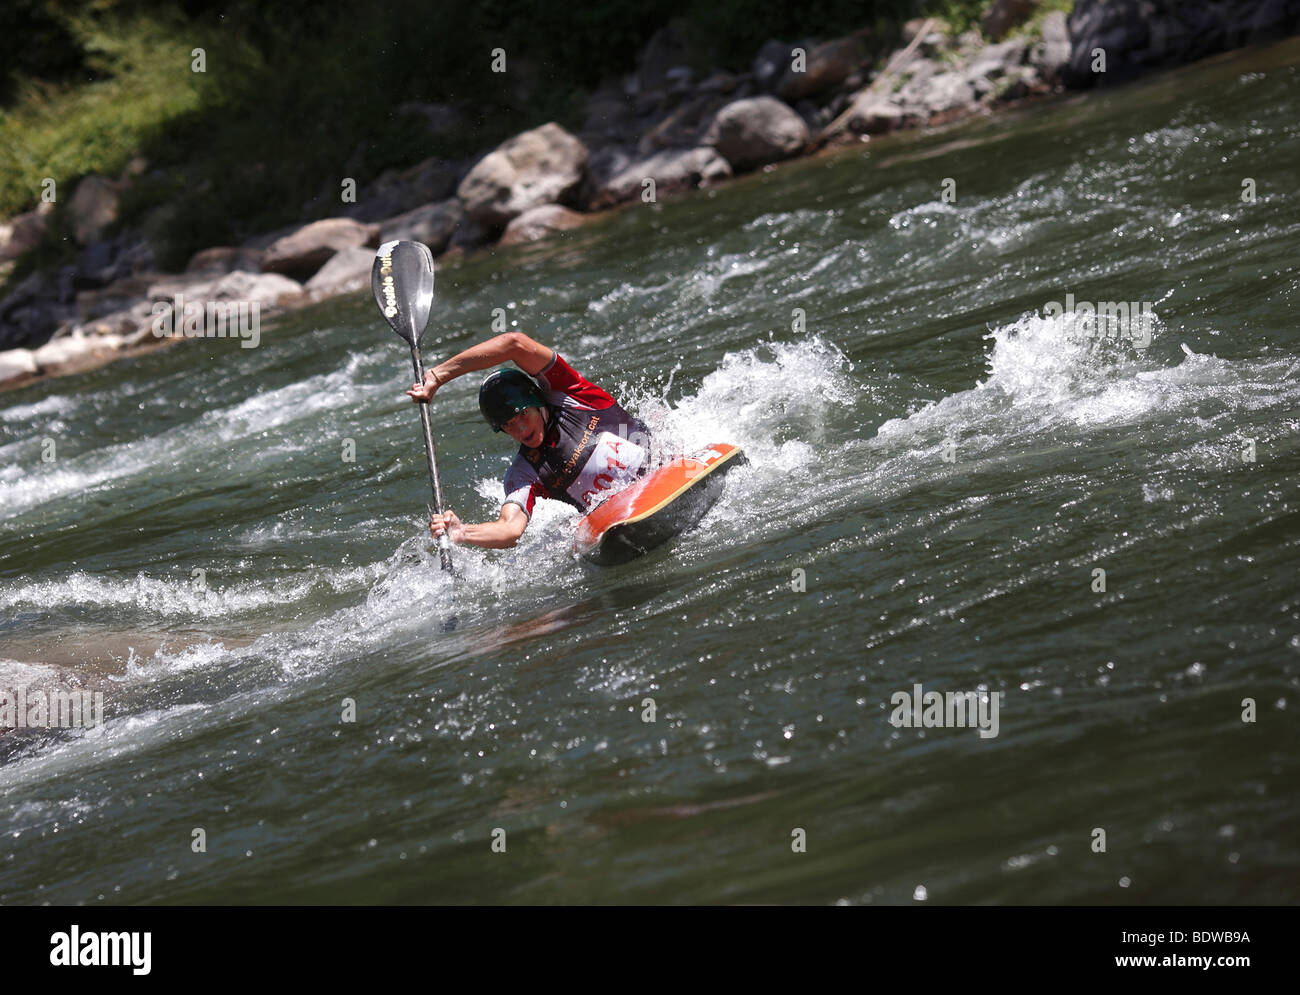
656	508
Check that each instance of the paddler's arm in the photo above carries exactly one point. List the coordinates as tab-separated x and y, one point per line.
528	354
501	534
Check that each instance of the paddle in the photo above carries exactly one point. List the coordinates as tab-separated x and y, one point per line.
402	280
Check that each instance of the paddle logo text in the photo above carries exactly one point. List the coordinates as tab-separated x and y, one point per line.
1122	321
90	949
920	709
386	281
24	708
208	320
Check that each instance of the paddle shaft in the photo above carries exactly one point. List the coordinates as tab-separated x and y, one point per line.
444	544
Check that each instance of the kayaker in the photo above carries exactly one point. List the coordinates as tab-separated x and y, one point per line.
576	444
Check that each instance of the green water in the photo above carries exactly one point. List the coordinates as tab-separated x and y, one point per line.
946	467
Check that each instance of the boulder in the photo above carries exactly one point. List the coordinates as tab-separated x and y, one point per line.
1051	56
94	208
24	232
755	131
396	191
538	222
827	65
346	271
673	47
225	259
684	127
616	176
873	114
771	63
260	288
304	251
432	224
948	92
75	353
120	294
16	364
541	166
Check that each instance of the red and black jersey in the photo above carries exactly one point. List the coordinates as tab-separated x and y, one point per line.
591	449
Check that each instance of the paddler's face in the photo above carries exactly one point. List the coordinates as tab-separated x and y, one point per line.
527	427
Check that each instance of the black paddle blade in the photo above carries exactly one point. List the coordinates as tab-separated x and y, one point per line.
402	280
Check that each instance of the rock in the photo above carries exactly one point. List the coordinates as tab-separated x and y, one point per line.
997	60
541	166
76	353
610	117
948	92
771	63
24	232
94	208
120	294
125	322
32	312
432	224
755	131
674	46
303	252
1005	15
470	235
225	259
1051	56
827	65
16	364
719	81
261	288
346	271
538	222
684	127
396	191
873	114
615	176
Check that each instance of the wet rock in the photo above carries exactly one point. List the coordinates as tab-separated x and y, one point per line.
16	364
755	131
304	251
616	176
75	353
346	271
539	222
541	166
432	224
120	294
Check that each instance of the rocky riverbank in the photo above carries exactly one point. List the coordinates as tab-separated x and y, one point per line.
657	131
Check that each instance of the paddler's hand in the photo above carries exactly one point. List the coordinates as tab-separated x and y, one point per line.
422	393
449	523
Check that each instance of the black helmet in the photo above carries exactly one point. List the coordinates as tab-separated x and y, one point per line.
505	393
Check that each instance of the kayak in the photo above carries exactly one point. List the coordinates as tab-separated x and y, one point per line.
661	505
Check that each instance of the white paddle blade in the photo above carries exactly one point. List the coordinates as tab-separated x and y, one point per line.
402	281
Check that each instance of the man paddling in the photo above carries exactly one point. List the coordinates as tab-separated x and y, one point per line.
576	444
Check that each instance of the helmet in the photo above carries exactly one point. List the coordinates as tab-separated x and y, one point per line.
505	393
